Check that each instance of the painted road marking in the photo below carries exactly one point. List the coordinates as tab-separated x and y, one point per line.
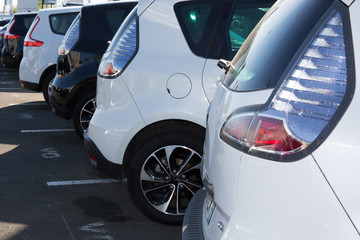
7	82
49	153
27	104
10	88
81	182
47	130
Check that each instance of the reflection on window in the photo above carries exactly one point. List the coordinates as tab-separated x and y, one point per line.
242	23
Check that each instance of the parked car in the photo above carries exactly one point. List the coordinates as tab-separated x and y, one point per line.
153	92
12	51
38	65
72	93
286	168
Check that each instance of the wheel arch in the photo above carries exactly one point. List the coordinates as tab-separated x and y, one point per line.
158	128
87	85
45	73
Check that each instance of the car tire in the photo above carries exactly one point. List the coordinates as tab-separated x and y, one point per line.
45	85
83	111
155	180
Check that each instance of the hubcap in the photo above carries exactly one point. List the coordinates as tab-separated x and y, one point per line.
170	177
86	113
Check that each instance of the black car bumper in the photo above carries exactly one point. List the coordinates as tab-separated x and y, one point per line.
59	110
192	224
31	86
98	161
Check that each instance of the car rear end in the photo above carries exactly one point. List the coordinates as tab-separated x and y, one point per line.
12	51
41	42
287	167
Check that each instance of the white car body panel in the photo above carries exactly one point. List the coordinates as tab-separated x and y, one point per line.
159	76
37	59
338	156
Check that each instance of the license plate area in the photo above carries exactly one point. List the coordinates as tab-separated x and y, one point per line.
210	206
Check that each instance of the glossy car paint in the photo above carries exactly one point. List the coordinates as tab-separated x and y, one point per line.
38	61
315	197
123	106
77	70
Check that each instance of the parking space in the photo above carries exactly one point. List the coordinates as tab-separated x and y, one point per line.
48	189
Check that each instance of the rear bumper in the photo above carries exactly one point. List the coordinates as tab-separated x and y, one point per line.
30	85
98	161
192	224
59	110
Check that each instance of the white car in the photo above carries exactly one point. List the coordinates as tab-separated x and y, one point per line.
38	65
154	86
288	167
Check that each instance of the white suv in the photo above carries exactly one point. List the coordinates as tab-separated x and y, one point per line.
287	168
154	86
38	65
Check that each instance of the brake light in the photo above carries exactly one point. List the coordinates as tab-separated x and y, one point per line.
71	37
33	42
123	48
305	107
10	35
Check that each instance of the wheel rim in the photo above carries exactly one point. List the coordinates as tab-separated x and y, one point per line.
170	177
86	113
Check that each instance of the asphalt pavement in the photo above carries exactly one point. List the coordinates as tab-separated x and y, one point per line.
48	190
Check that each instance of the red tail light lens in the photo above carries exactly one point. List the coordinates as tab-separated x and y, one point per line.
31	42
11	36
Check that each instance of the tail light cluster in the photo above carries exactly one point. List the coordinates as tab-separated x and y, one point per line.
71	37
124	47
30	41
10	35
304	107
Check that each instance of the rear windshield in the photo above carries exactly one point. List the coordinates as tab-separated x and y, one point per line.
22	24
60	23
268	50
98	25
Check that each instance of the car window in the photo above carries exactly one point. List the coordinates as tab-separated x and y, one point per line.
59	23
243	21
217	29
197	20
114	18
22	24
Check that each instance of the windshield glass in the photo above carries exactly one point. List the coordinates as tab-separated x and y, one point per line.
268	50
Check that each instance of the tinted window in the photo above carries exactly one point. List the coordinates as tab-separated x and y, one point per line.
197	20
268	50
243	20
22	24
217	29
97	25
114	18
60	23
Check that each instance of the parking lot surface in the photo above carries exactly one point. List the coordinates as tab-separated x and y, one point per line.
48	190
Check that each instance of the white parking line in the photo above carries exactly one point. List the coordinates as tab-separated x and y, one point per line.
27	104
46	130
80	182
10	88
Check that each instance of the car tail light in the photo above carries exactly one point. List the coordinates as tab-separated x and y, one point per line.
31	42
10	35
123	50
306	106
71	37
